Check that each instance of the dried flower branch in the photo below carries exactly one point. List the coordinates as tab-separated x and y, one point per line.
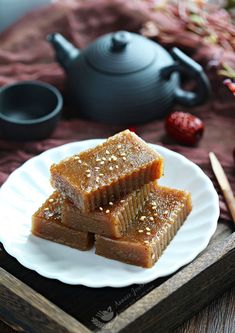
230	84
227	71
205	31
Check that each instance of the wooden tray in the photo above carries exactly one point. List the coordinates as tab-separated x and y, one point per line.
32	303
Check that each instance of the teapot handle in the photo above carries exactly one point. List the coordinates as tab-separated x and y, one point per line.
182	64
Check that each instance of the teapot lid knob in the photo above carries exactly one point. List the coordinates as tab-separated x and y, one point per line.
120	40
121	52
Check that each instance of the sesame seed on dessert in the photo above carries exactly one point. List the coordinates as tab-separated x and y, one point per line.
140	231
107	211
100	208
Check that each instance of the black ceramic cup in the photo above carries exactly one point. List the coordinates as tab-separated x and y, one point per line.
29	110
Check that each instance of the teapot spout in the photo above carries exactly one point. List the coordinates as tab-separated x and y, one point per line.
65	51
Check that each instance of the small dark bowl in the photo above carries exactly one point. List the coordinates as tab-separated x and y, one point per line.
29	110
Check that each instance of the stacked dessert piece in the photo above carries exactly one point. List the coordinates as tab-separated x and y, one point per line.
109	195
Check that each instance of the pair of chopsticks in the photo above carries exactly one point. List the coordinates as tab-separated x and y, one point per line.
224	183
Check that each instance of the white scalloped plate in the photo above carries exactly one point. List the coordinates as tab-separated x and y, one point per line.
28	186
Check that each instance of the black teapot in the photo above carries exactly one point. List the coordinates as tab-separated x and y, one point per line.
123	77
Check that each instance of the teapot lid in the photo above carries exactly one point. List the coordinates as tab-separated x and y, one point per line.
120	53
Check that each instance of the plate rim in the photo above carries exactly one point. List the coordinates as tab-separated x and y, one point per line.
130	281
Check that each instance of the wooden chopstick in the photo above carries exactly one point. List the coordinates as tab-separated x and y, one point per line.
224	183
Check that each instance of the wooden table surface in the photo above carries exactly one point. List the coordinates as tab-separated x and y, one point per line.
218	317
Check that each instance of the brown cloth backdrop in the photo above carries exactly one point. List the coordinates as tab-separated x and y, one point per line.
25	54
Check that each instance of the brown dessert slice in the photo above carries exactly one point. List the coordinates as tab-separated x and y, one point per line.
46	223
112	220
162	216
93	178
